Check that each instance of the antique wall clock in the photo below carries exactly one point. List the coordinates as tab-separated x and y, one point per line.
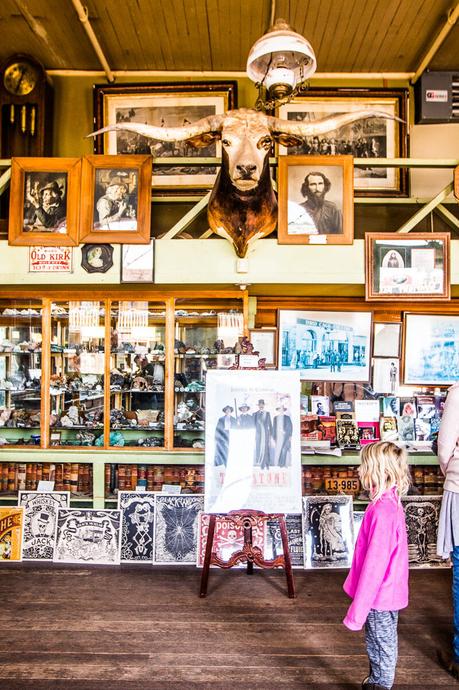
26	102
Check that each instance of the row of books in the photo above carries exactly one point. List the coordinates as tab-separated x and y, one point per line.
355	423
345	479
120	477
21	476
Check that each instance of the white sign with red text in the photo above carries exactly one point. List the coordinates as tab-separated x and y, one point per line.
50	259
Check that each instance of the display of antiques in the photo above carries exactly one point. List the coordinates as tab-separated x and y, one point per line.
242	207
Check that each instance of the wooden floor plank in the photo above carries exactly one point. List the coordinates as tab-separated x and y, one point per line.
132	628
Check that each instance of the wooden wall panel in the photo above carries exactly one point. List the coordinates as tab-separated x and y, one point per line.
205	35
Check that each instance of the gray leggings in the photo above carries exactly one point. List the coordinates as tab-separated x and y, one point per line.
382	646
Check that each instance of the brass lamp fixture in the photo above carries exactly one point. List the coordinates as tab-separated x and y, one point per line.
280	63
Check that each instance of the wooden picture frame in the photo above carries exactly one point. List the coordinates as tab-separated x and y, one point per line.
116	199
138	263
304	179
171	104
415	266
325	345
371	137
430	344
44	202
264	340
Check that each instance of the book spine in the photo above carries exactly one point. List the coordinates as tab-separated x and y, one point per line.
12	477
4	476
29	476
134	476
59	477
150	478
80	483
74	477
66	477
107	476
34	476
39	472
45	473
121	477
22	473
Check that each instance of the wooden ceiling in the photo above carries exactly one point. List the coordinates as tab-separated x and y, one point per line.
206	35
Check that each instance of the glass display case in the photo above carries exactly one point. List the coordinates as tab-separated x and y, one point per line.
137	373
20	372
207	336
77	373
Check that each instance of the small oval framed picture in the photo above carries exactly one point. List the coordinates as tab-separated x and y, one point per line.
96	258
116	199
44	202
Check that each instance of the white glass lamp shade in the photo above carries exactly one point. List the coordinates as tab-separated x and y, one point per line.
281	56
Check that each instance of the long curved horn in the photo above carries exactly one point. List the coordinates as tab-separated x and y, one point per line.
327	124
212	123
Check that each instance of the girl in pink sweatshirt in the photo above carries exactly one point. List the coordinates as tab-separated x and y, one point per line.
378	579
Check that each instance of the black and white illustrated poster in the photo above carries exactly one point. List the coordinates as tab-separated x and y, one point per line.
422	514
40	515
273	541
88	536
176	528
328	531
138	512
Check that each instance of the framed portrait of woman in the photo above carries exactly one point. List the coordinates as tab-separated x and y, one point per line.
116	199
415	266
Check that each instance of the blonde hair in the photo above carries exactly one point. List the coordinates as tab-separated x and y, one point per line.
383	466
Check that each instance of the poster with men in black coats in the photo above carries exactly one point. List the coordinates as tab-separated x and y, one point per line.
252	440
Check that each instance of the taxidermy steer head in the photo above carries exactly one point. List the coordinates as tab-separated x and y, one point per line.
243	207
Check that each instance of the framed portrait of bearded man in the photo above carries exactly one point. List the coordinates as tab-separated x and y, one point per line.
316	200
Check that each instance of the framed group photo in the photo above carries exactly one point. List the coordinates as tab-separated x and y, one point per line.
326	345
415	266
315	200
44	202
116	199
430	349
365	138
163	105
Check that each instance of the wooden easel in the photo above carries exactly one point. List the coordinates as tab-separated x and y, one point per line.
247	519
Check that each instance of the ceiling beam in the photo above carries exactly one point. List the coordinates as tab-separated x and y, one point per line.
84	19
39	30
453	16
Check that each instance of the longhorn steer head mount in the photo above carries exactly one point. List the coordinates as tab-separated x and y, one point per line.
243	207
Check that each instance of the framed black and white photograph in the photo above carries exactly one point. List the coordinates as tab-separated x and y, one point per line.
138	513
163	105
176	529
253	454
96	258
273	541
415	266
328	531
116	199
374	137
40	516
88	536
430	349
326	345
422	515
264	341
315	200
386	339
386	375
44	202
138	262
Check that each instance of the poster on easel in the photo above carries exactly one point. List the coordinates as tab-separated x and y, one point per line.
253	454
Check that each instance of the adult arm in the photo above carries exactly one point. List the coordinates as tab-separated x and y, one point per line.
449	429
381	538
